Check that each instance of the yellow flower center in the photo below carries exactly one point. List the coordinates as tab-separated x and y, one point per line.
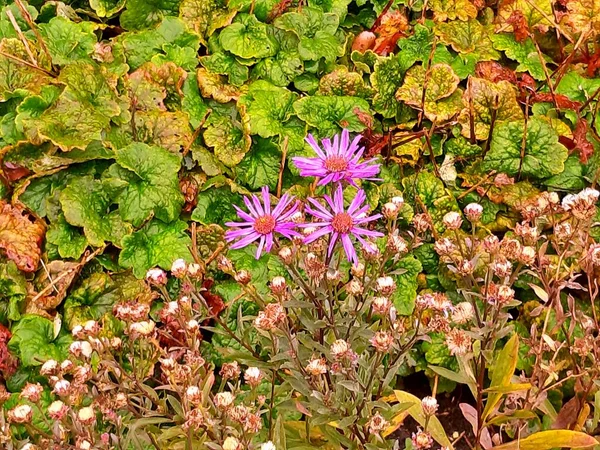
342	223
265	224
336	163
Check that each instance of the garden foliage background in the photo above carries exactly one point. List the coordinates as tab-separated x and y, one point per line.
129	130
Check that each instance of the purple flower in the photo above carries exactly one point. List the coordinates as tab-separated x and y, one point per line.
341	223
261	222
338	161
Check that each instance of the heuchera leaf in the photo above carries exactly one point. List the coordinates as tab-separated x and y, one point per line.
170	130
34	341
543	155
535	14
151	183
468	37
13	290
248	38
286	65
482	100
214	85
386	78
156	244
317	33
224	63
86	203
260	166
330	113
268	107
15	77
67	238
140	14
68	41
230	141
343	82
523	52
20	237
205	16
107	8
582	16
406	292
453	9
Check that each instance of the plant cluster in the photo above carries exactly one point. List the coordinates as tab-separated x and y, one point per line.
254	224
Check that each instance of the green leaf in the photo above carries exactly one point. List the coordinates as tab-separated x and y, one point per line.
86	204
386	78
316	31
83	110
169	130
329	113
140	14
406	285
97	294
225	63
546	440
282	68
483	100
504	369
572	179
107	8
343	82
34	341
267	108
193	103
260	166
13	291
468	37
67	238
248	38
229	140
523	52
156	244
16	78
215	205
543	155
151	183
205	16
453	9
576	87
68	41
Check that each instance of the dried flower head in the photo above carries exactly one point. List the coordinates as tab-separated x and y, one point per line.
278	286
452	220
156	276
422	440
179	268
473	212
232	443
458	342
57	410
32	392
390	210
382	341
385	286
87	416
224	400
20	414
463	313
243	276
316	367
49	368
444	247
381	305
253	376
430	405
230	371
377	423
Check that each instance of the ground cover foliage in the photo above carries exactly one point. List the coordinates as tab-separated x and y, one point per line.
181	268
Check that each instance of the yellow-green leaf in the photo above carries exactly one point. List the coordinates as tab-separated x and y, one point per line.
545	440
504	369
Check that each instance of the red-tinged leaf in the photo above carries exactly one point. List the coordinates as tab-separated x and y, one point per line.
392	27
493	71
20	237
585	147
215	302
14	172
521	27
8	363
300	407
562	101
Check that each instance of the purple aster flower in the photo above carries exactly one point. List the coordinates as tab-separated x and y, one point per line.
341	223
261	223
337	161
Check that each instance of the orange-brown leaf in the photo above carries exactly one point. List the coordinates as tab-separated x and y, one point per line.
20	237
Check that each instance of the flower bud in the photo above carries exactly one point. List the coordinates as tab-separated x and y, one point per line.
316	367
333	276
382	341
179	268
224	400
232	443
62	388
32	392
194	270
381	305
430	406
527	256
491	243
390	211
50	367
473	212
397	245
268	446
444	247
87	416
354	287
385	286
340	349
91	327
253	376
452	220
230	371
57	410
156	276
286	255
193	394
398	201
357	270
278	286
243	277
81	348
377	424
144	328
224	264
20	414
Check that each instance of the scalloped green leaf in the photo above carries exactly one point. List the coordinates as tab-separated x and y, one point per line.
330	113
248	38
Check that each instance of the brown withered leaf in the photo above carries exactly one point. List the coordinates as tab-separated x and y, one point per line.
58	273
494	72
392	27
20	236
582	144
